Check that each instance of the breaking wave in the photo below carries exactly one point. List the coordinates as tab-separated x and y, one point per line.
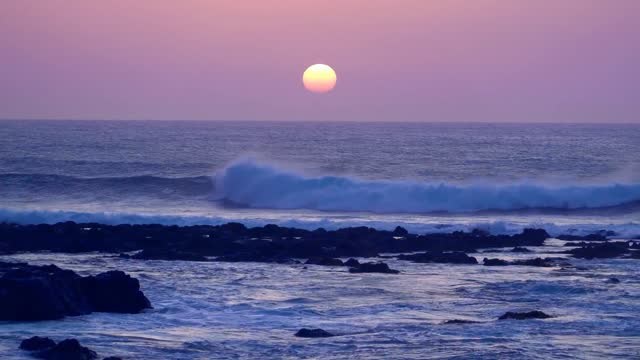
253	184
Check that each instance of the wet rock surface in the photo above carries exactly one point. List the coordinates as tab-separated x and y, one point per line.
69	349
30	293
602	251
455	257
236	242
535	314
373	267
540	262
313	333
37	343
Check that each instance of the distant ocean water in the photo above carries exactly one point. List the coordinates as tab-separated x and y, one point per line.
424	176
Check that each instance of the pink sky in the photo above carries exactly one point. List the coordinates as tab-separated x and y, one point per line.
415	60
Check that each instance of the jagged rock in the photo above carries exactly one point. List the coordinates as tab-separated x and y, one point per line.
313	333
235	242
536	314
69	349
37	343
115	291
400	231
30	293
352	263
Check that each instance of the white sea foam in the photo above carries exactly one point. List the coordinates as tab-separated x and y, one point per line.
259	185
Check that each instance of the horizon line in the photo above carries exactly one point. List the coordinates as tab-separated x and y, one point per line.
340	121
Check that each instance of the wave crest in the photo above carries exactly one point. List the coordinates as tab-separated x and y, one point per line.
258	185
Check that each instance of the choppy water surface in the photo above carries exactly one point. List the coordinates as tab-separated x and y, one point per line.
251	310
419	175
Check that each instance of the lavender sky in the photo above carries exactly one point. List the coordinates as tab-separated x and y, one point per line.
396	60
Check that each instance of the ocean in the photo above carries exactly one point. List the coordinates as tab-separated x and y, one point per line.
572	178
568	179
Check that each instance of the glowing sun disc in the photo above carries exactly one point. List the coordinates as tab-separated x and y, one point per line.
319	78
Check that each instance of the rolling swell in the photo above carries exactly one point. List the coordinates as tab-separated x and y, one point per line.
257	185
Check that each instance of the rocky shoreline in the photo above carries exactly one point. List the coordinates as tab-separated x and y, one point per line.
30	293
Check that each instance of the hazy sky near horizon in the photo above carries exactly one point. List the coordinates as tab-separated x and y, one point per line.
416	60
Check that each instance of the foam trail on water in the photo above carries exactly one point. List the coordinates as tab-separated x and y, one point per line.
259	185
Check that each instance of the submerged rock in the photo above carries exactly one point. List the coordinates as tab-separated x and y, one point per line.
372	267
604	250
459	321
454	257
536	314
30	293
324	261
69	349
494	262
540	262
313	333
37	343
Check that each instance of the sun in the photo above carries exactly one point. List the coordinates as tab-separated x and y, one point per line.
319	78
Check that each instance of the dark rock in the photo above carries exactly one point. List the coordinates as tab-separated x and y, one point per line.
575	244
37	343
371	267
324	261
116	292
604	250
547	262
400	231
494	262
69	349
536	314
352	263
540	262
613	280
533	236
455	257
313	333
112	358
459	321
235	242
30	293
519	249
